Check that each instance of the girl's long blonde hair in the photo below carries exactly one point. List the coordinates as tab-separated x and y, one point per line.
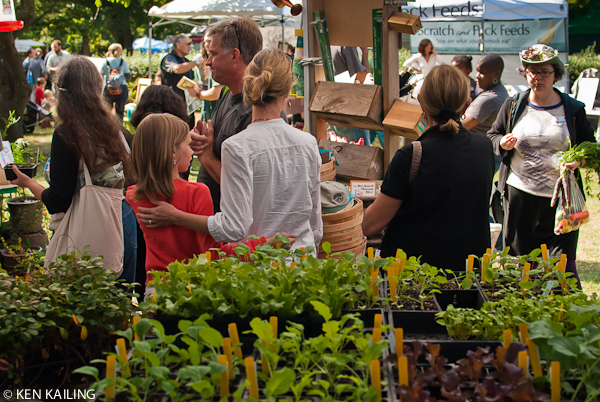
154	141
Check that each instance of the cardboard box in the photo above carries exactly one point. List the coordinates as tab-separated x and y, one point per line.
348	105
356	162
405	23
406	120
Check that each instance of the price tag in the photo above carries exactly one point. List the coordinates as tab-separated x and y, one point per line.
363	188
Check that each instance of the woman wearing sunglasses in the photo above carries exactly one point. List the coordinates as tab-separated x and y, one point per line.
531	128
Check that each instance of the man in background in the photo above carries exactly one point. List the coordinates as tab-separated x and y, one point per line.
175	65
55	61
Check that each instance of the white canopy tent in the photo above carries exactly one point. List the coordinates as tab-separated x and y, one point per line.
189	11
202	13
23	45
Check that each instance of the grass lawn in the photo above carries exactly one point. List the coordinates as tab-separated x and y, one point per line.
588	254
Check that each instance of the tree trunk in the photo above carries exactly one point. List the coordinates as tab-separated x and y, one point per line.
127	34
85	44
14	88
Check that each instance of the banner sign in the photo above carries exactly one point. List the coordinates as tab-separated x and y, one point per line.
461	10
465	37
446	10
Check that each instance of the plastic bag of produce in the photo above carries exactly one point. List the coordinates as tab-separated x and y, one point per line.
571	212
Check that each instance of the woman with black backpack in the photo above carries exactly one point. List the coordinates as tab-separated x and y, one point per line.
116	74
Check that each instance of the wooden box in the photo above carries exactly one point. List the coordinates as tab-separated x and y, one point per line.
348	105
349	20
356	162
294	105
405	119
405	23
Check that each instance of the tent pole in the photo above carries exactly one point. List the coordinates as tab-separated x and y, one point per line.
568	75
150	48
283	35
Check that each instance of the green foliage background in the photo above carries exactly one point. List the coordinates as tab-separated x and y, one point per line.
580	61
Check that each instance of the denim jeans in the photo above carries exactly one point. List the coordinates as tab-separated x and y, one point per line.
130	243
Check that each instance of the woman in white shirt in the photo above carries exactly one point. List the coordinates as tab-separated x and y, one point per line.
425	60
270	175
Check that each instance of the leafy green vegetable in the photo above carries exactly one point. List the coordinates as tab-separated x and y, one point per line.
590	152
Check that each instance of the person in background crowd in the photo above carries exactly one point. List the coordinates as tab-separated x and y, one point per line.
175	65
158	99
482	112
34	68
39	91
89	132
290	50
423	61
271	171
47	104
114	61
209	90
55	60
465	65
531	128
440	213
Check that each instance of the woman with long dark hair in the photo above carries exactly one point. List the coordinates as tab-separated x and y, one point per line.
88	133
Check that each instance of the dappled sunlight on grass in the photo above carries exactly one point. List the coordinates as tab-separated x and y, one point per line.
588	251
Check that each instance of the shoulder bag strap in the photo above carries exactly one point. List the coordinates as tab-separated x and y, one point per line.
86	173
416	161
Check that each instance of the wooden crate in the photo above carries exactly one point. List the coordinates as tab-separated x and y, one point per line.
405	23
357	162
348	105
406	120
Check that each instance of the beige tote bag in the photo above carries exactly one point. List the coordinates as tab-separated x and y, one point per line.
94	219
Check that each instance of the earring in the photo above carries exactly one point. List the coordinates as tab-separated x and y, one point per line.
174	162
495	80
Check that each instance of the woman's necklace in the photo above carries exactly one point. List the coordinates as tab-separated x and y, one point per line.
260	119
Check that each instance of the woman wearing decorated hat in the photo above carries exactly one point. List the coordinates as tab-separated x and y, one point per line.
531	128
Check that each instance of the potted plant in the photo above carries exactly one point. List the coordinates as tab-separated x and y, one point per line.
480	375
413	305
334	365
259	284
179	367
57	318
19	259
26	159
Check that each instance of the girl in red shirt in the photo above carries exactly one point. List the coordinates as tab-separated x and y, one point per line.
160	150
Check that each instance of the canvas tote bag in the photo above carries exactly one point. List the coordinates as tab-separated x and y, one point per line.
94	219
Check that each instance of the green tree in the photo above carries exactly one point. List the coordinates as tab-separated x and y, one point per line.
14	88
77	25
